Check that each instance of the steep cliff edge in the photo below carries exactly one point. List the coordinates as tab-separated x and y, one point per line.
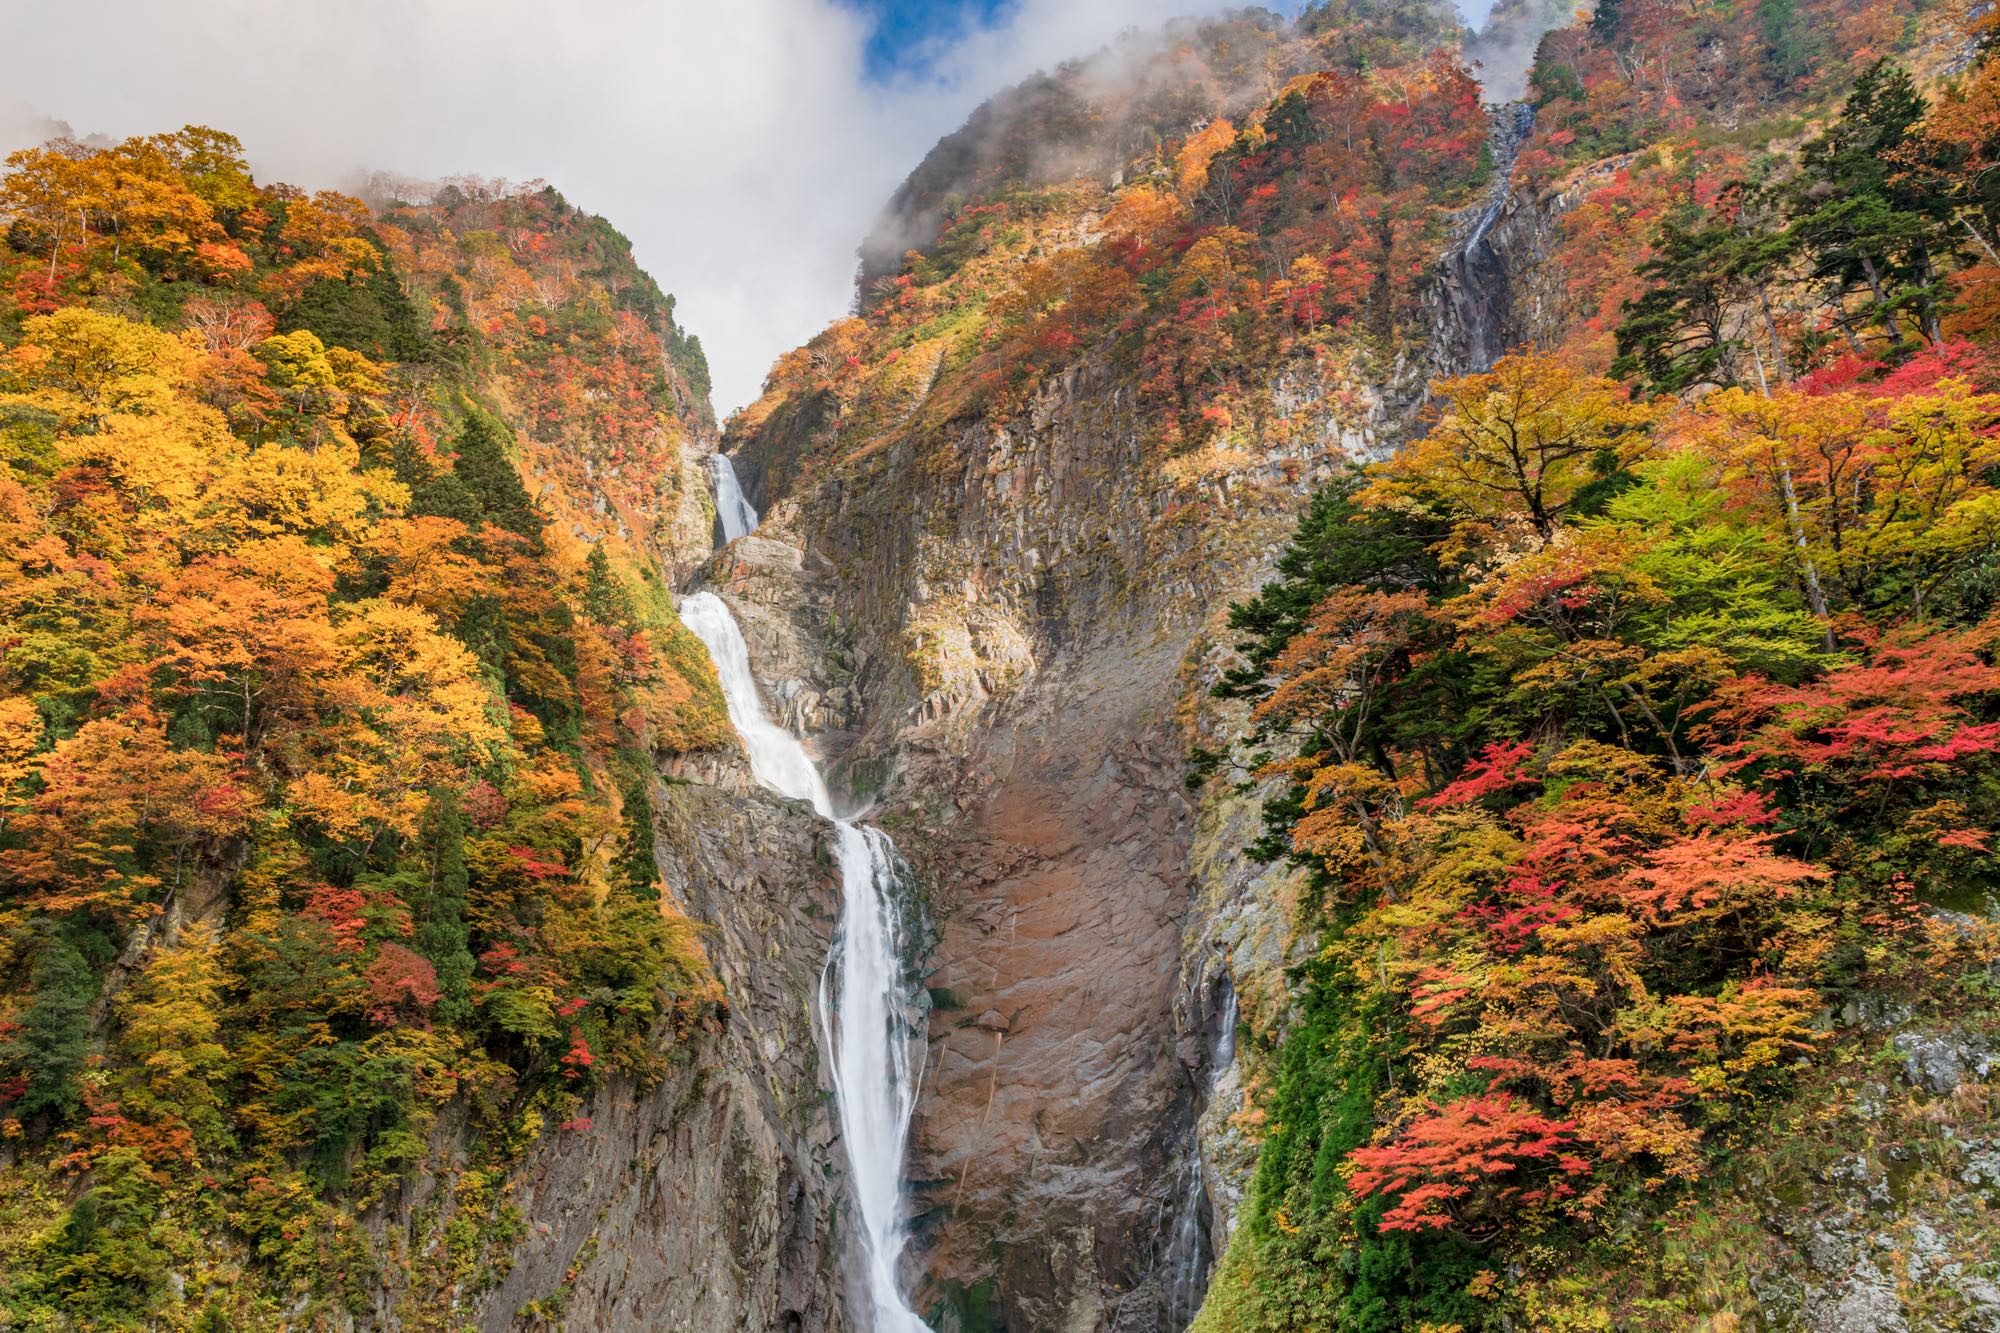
706	1202
1021	641
1019	488
1023	592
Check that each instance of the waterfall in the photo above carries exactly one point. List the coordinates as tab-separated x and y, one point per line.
866	1016
1472	299
735	512
1190	1252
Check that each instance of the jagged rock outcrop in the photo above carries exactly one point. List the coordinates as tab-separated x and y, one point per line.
1492	291
708	1201
1884	1223
804	659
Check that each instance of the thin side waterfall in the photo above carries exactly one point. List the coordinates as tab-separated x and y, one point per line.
1190	1254
866	1013
1472	306
731	508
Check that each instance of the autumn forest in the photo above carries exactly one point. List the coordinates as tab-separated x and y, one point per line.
1524	560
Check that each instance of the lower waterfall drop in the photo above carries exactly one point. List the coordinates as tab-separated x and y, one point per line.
865	989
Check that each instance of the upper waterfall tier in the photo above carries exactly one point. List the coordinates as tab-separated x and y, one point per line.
736	513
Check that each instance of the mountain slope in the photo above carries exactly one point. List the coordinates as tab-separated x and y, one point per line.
1032	468
351	979
1411	835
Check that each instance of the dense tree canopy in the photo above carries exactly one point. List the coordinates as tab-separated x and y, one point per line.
323	753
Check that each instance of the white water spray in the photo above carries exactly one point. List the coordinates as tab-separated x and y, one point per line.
735	512
865	1013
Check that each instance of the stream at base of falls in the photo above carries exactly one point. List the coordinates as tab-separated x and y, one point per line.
869	1018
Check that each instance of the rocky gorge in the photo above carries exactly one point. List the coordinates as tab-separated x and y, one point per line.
1004	637
1001	639
1172	772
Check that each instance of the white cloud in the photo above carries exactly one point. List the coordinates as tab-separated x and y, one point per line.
737	142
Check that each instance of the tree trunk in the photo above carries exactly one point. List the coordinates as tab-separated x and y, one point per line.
1886	315
1992	256
1814	594
1928	312
1771	324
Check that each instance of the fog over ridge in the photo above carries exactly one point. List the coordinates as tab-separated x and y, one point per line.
742	146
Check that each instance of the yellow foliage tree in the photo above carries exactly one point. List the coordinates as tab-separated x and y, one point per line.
1518	440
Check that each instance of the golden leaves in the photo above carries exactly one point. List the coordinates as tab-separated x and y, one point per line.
1518	441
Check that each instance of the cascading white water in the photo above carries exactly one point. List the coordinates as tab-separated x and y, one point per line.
1187	1252
1225	1041
735	512
866	1024
1469	301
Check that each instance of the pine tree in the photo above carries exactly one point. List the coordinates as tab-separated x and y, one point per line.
1677	335
1338	542
604	598
635	870
442	935
1867	226
433	491
55	1031
489	476
1789	49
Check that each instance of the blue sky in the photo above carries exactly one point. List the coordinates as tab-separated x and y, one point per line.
908	35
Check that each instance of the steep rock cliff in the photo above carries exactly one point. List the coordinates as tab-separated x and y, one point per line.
1015	607
1493	290
707	1202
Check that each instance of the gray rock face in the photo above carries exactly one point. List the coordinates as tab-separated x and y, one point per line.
1939	1061
680	1208
1470	301
1496	290
1885	1238
803	657
1057	1092
1012	610
1865	1303
709	1202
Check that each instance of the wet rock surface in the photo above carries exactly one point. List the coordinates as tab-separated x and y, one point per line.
1939	1062
803	659
1885	1221
1495	290
1056	1093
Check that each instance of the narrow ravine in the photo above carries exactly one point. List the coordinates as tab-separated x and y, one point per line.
1473	306
866	1024
1190	1252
